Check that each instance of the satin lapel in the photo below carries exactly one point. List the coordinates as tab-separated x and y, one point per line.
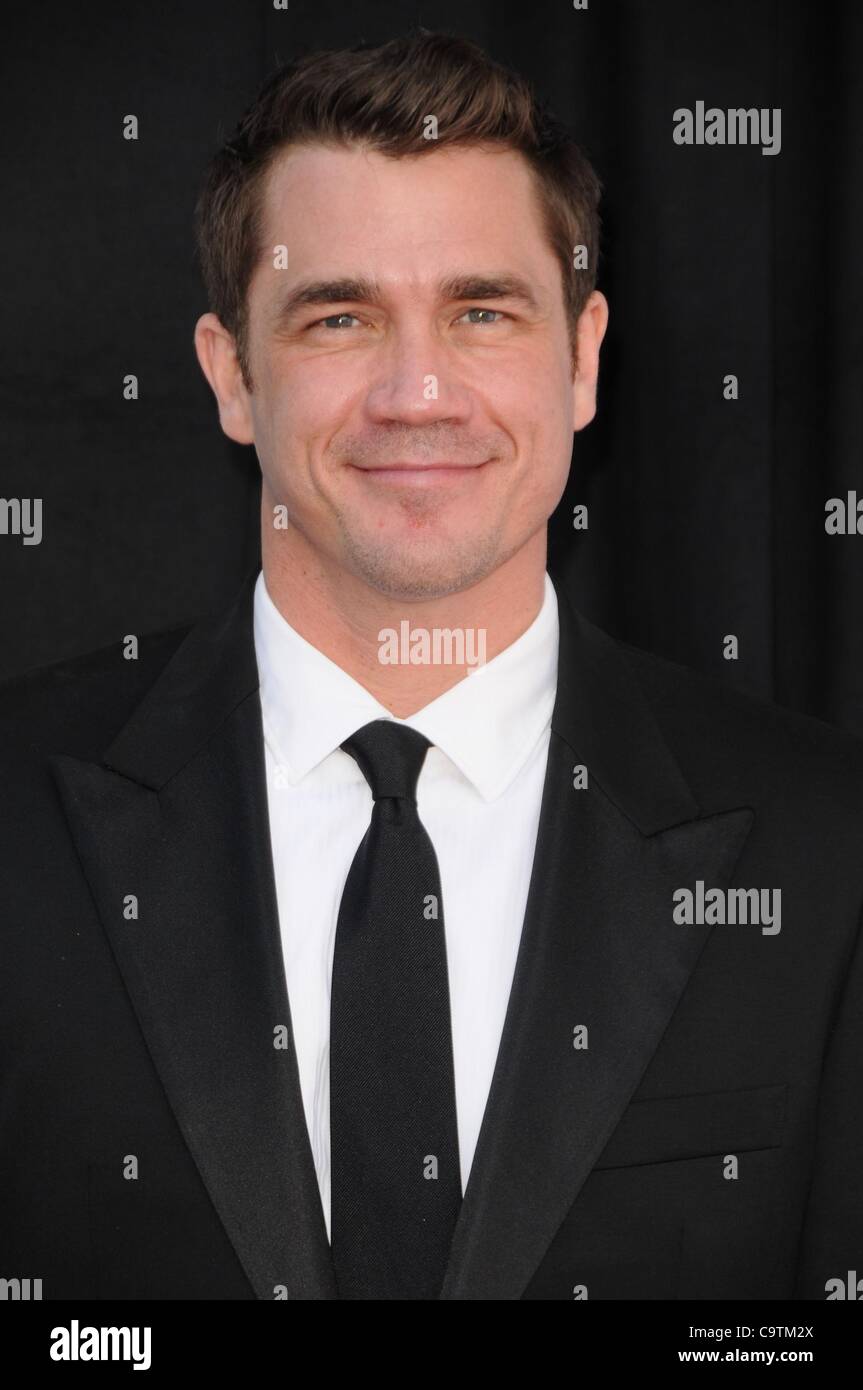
177	815
599	949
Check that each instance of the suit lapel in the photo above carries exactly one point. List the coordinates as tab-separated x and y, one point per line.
176	814
599	948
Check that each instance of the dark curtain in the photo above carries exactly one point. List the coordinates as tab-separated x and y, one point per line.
706	515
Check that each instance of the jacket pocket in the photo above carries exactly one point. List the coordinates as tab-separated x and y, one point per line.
712	1122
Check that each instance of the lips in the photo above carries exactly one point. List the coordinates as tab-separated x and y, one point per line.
425	467
423	475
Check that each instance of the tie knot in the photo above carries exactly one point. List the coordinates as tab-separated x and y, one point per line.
390	757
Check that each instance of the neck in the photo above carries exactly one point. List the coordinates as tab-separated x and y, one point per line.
342	616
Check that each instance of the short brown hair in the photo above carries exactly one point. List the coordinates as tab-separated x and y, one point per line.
381	97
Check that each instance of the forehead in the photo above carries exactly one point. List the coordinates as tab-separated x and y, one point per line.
410	213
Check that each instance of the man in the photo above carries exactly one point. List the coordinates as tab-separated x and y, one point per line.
334	967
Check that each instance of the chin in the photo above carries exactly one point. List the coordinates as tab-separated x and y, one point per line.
420	567
431	581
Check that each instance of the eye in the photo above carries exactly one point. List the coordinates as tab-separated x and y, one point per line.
499	312
331	317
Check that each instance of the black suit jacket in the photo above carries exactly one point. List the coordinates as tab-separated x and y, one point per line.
147	1044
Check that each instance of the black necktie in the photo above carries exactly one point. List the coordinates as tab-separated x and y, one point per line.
396	1188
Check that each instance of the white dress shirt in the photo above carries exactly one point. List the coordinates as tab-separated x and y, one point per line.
478	796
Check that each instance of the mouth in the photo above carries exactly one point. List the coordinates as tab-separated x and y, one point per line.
422	474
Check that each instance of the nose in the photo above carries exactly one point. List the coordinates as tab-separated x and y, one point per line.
415	378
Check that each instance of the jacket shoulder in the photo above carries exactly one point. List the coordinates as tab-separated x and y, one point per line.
78	704
748	744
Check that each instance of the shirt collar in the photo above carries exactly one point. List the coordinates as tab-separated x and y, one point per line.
487	724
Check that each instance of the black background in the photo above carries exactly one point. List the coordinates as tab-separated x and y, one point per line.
706	515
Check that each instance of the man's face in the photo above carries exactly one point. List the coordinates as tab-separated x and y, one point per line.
453	351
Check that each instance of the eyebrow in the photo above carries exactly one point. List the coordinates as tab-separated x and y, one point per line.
356	290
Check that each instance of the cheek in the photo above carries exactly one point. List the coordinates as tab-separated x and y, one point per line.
547	444
532	398
320	389
544	439
306	415
288	426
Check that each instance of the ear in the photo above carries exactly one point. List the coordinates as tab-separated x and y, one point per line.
590	332
217	355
